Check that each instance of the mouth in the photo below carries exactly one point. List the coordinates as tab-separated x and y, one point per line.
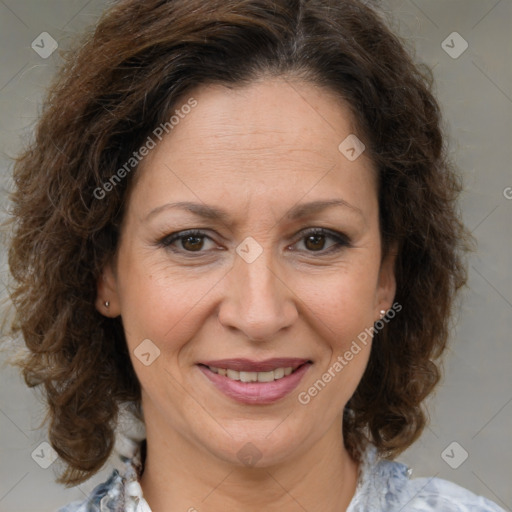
250	376
254	382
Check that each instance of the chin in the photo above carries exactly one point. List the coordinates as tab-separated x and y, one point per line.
257	448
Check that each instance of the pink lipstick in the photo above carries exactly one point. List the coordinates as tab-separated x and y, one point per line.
255	382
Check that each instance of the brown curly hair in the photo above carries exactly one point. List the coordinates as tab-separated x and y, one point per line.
124	80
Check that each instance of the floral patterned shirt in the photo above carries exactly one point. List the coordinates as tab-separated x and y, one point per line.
383	486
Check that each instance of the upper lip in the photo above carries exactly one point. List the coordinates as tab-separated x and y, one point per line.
249	365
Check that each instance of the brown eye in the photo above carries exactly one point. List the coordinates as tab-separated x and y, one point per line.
315	242
192	243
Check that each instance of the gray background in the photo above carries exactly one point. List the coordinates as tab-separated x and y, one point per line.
473	405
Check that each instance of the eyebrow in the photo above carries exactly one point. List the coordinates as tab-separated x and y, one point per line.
212	213
305	209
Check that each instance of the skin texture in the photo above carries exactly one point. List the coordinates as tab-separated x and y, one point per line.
254	152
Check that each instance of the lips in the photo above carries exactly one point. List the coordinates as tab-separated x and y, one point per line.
255	382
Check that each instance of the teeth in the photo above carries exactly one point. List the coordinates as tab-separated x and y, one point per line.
265	376
279	373
232	374
248	376
270	376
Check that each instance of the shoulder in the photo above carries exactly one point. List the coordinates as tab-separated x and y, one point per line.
387	486
108	493
121	491
429	494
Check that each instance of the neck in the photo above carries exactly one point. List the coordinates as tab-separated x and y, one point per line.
181	475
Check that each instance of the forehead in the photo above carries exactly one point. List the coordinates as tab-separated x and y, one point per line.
266	114
272	136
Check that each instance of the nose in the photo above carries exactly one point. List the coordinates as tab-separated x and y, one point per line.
257	301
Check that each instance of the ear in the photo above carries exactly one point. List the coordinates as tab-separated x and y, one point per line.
386	287
107	293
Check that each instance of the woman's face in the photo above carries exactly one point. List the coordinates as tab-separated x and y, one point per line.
252	165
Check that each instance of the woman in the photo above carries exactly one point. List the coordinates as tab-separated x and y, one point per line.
239	219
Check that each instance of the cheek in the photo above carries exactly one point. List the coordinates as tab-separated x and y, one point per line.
342	315
341	303
161	304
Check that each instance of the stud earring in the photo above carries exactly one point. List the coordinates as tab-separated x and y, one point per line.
107	303
382	313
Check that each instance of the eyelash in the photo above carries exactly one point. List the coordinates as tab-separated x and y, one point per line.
341	240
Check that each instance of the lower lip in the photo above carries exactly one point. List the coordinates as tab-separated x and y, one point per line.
256	392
